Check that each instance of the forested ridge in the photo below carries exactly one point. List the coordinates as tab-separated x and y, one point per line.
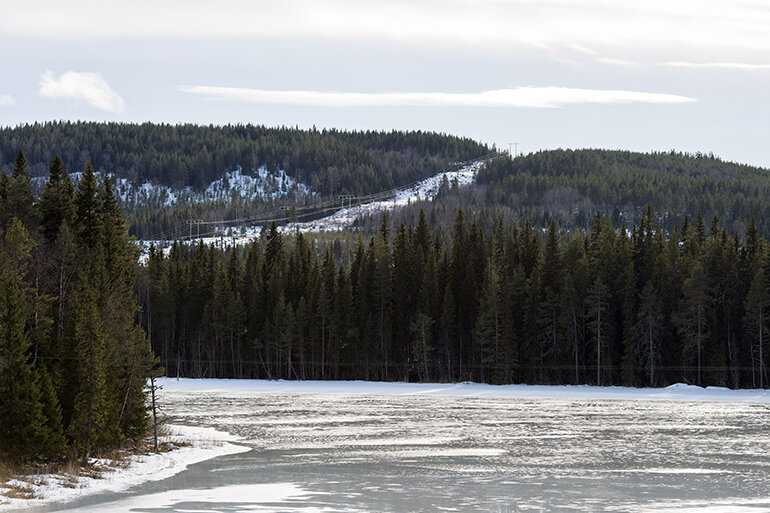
609	305
572	185
329	161
73	359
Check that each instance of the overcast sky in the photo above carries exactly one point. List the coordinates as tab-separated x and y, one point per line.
652	75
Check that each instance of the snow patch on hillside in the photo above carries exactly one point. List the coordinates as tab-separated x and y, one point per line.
260	184
257	184
424	190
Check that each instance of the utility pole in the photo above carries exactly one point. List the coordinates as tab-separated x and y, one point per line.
154	414
195	221
515	153
348	197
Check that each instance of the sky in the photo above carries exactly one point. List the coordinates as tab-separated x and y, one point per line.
648	76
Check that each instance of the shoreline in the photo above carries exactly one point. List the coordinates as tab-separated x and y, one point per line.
676	392
192	445
200	444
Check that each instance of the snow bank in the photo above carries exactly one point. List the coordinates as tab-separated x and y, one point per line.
205	443
678	392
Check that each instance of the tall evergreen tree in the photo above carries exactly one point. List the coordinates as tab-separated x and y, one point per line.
693	319
648	330
56	200
88	420
489	330
756	326
598	312
24	428
20	199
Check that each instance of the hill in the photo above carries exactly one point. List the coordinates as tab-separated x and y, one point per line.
190	155
572	185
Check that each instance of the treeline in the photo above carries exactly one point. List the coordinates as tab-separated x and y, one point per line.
605	306
73	360
571	185
329	161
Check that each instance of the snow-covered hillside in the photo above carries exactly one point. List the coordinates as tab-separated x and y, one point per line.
251	185
425	190
261	184
344	217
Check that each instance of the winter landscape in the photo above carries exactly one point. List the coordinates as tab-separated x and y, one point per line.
384	256
364	446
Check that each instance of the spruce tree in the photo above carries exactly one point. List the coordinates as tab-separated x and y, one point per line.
88	427
87	211
20	199
488	333
26	432
755	322
598	313
56	201
648	330
5	184
693	319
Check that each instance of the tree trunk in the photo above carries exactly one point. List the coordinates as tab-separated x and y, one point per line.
599	347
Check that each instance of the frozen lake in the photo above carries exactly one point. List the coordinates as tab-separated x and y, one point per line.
413	451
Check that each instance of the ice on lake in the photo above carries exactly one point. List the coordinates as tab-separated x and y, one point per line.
405	452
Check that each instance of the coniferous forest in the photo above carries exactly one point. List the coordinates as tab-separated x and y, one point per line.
194	155
609	306
73	359
507	281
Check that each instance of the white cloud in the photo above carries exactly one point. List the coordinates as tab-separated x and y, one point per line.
719	65
615	62
684	27
89	87
534	97
6	100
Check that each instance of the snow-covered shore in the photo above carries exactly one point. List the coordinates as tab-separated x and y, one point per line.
193	446
678	392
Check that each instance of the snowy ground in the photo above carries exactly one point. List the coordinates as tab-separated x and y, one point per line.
424	190
246	184
678	392
344	217
194	444
395	447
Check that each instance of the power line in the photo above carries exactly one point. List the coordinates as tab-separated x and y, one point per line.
316	209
